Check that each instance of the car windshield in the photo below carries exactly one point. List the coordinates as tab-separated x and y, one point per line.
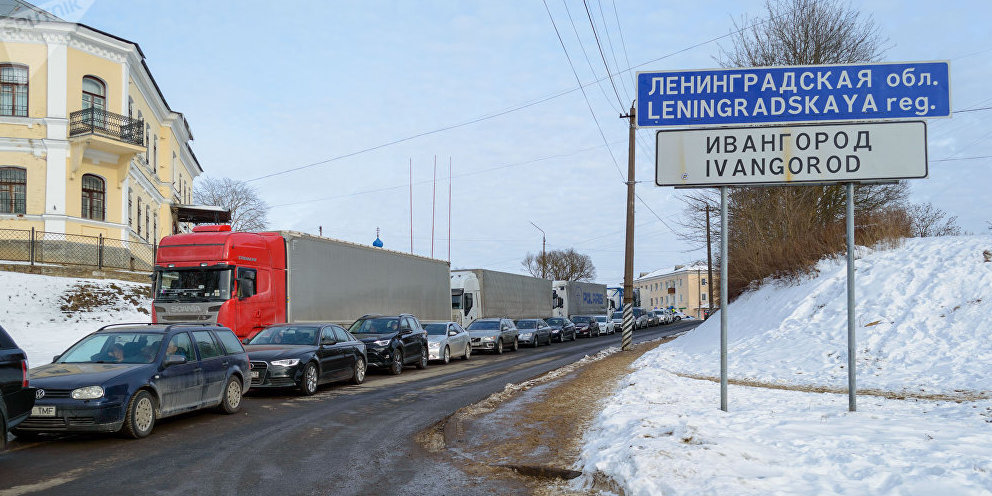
114	347
287	335
378	325
581	319
193	284
601	318
483	325
618	315
436	329
555	321
527	324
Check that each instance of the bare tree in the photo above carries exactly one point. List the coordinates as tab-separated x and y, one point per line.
783	231
249	211
560	265
928	220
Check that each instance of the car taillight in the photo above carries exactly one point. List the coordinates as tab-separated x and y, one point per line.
24	373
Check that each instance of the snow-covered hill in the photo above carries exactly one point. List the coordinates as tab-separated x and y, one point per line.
924	315
47	314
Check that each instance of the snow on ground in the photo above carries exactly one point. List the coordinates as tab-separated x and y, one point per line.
47	314
924	312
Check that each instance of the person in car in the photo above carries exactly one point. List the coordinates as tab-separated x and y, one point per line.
174	349
115	354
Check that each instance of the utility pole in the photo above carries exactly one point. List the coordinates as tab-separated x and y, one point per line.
544	257
628	265
709	259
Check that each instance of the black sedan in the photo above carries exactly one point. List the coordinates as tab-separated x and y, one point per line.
16	397
305	356
123	378
562	329
533	332
585	325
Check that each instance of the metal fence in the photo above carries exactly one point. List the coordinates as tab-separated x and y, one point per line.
41	247
104	123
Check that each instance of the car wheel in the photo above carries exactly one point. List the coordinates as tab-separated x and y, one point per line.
308	382
468	351
358	376
574	337
139	420
422	364
396	366
231	401
516	344
446	356
537	341
499	346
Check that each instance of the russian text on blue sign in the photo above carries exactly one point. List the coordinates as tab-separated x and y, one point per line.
911	90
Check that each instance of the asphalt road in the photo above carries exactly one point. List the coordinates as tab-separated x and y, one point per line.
344	440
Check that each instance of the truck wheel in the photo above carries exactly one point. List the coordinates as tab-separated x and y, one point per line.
308	382
422	364
139	420
516	344
396	366
499	346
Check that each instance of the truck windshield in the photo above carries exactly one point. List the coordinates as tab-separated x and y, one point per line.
193	284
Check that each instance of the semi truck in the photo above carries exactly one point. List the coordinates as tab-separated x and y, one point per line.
578	298
614	298
481	293
246	280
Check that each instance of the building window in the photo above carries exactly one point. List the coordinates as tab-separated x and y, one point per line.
155	154
148	214
139	217
154	227
94	93
13	90
148	132
704	296
130	193
704	281
13	190
94	192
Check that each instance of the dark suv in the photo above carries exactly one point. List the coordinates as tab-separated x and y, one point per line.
124	377
392	341
16	398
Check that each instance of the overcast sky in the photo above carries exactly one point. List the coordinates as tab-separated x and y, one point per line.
270	86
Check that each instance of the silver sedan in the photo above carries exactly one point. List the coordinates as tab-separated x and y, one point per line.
446	340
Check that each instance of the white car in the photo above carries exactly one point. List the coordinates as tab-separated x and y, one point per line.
446	340
606	326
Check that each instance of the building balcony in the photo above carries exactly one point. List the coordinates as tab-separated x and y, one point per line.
103	136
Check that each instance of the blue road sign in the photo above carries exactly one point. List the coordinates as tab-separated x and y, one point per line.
857	92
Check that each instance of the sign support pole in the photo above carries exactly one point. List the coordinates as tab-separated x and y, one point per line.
724	301
852	402
627	335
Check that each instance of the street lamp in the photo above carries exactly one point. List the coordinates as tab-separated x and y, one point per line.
544	260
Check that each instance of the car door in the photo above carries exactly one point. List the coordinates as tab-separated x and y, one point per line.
346	353
180	386
410	339
213	362
461	338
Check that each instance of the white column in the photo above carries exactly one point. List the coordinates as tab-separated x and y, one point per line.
125	76
56	142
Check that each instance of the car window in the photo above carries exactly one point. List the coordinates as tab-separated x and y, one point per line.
230	342
206	345
457	327
327	334
180	345
340	335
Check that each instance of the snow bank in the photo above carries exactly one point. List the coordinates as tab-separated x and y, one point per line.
47	314
923	314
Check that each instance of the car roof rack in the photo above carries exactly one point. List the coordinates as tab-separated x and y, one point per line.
167	326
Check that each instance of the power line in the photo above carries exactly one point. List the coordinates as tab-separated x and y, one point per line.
600	46
962	158
578	39
584	95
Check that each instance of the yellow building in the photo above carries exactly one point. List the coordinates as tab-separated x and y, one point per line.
88	144
684	287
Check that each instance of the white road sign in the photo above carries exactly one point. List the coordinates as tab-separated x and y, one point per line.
813	153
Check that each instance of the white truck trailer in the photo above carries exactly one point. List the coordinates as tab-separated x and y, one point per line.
481	293
578	298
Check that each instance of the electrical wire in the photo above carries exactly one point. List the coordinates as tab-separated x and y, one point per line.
600	46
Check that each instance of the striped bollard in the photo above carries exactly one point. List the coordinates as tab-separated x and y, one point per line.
628	326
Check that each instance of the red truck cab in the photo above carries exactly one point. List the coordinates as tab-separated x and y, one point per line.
214	275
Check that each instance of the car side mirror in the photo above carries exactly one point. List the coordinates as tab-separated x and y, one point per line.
245	340
56	358
452	332
328	342
406	330
174	360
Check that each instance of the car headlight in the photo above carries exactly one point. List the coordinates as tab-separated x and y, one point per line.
433	344
87	393
289	362
489	338
381	342
526	335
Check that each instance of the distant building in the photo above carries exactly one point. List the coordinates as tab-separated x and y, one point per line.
683	287
88	144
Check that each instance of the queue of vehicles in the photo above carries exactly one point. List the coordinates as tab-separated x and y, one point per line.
235	311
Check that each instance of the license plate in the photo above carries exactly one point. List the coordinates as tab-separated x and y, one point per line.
43	411
254	374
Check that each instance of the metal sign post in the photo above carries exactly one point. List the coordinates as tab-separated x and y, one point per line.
724	301
852	401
